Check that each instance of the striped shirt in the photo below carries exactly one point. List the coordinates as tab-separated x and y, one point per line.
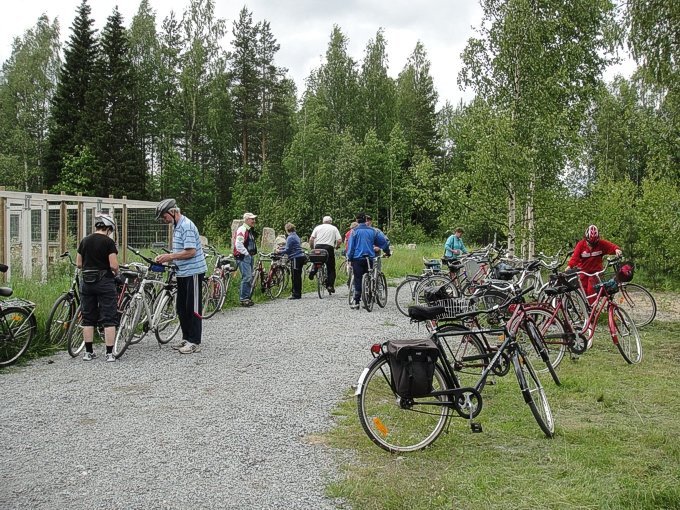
185	236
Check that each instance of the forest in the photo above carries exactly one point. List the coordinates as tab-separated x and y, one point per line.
165	108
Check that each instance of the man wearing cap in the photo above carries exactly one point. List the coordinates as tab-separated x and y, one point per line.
326	237
245	249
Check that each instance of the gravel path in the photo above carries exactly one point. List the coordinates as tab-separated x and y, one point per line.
225	428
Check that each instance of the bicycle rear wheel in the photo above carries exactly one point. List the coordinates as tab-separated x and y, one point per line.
18	327
127	325
213	295
396	424
321	281
638	302
60	318
74	337
277	283
625	335
468	356
381	290
367	297
553	333
405	296
533	392
166	319
432	282
540	348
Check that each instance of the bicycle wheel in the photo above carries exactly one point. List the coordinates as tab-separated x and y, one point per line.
321	281
74	337
540	348
18	327
257	282
552	333
405	296
625	335
367	297
350	292
60	317
226	280
277	283
213	295
166	320
381	290
431	282
127	325
468	356
638	302
396	424
533	392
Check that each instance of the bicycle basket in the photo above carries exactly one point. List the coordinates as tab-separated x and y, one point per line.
454	307
624	272
567	279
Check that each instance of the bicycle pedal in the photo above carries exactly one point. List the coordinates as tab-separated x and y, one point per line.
476	427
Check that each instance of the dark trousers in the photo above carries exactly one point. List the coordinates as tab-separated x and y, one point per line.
190	306
359	268
330	263
296	266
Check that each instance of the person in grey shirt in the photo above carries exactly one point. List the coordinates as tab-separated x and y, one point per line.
326	237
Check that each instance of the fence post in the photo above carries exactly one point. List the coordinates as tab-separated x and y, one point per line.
27	238
63	226
4	233
80	222
44	245
124	230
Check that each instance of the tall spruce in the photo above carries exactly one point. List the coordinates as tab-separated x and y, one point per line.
71	125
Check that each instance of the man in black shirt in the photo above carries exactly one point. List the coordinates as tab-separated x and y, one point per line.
98	259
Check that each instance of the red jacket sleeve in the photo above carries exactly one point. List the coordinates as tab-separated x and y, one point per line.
608	247
575	260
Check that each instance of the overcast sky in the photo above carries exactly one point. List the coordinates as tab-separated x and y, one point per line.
303	28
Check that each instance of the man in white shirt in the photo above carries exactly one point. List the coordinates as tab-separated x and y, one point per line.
326	237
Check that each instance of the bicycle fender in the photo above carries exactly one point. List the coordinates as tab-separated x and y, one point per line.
360	382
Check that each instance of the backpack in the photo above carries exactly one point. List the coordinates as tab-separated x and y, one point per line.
412	366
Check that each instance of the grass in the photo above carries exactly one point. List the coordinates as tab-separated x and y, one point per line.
617	442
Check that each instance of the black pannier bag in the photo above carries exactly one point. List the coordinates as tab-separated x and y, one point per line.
503	272
318	256
412	365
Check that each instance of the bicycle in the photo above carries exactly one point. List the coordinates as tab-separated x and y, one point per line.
373	285
149	311
272	282
18	325
216	286
64	308
404	424
317	258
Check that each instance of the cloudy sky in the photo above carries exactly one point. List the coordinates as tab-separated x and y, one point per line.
303	28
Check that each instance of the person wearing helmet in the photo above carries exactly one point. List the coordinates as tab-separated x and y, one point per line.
326	237
187	255
98	259
587	257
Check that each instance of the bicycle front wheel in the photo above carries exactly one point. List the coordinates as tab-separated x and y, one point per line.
59	319
638	302
127	325
533	392
405	295
396	424
381	290
367	297
625	335
18	327
166	320
213	295
552	334
321	281
277	283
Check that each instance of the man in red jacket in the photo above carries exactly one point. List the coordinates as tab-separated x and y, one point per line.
587	257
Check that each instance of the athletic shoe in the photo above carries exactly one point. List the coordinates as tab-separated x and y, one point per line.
590	343
247	302
89	356
311	275
331	290
190	348
355	306
110	358
178	345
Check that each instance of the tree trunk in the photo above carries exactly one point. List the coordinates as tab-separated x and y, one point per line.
512	219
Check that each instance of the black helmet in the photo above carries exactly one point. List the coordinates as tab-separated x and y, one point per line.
165	206
104	221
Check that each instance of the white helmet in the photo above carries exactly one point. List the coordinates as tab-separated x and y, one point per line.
104	221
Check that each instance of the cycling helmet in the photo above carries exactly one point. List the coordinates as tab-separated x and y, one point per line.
625	273
165	206
592	234
104	221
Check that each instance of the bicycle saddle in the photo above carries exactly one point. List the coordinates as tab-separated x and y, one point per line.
5	292
425	313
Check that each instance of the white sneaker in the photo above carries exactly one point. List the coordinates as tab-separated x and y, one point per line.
110	358
590	343
189	348
179	345
89	356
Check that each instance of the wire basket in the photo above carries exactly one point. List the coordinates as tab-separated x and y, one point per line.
454	307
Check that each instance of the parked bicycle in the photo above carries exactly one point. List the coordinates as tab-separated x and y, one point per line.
18	325
399	420
216	286
64	308
273	281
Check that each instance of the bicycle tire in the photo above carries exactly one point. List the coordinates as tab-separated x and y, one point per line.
321	280
18	327
165	319
127	325
469	357
367	297
432	281
540	347
625	335
350	292
381	290
533	393
74	337
59	319
257	281
404	295
389	424
638	302
553	333
213	295
277	283
575	307
226	280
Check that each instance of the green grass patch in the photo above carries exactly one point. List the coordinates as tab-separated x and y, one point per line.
616	444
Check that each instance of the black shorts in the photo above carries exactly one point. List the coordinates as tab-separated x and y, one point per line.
99	303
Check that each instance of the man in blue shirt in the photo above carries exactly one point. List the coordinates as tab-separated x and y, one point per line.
454	247
187	255
361	244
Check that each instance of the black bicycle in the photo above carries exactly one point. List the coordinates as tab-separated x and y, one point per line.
64	308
